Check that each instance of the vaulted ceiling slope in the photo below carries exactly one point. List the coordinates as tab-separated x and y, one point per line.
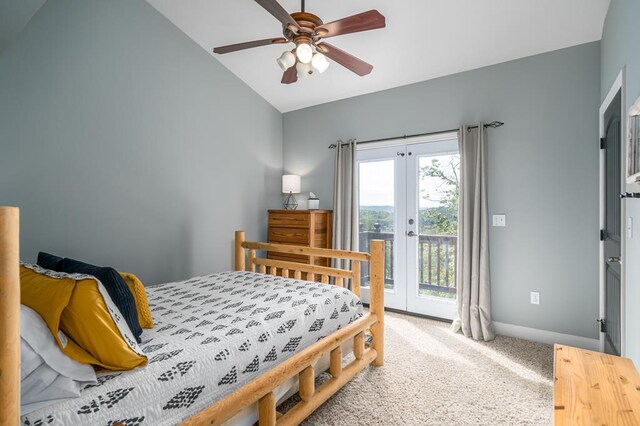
14	15
424	39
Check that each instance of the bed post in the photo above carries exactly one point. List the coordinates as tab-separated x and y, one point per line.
9	316
239	251
376	298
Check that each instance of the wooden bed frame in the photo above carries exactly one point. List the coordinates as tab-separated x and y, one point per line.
261	389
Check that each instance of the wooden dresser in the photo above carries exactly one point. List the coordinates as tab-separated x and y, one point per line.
311	228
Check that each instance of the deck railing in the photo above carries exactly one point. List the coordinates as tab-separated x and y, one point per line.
437	260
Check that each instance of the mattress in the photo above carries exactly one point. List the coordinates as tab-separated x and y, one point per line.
212	335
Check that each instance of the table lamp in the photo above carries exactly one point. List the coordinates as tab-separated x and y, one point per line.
290	185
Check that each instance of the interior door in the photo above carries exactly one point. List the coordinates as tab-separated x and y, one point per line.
613	229
408	197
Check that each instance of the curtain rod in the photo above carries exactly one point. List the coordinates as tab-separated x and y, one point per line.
492	125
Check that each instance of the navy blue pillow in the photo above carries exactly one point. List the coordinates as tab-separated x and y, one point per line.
49	261
116	287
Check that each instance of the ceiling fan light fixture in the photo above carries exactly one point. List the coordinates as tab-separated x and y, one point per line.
320	62
304	52
304	70
306	32
286	60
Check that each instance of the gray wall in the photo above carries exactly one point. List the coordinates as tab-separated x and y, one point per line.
14	15
620	48
126	144
543	170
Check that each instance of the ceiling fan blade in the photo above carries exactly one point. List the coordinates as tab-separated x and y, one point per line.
290	75
274	8
249	45
345	59
365	21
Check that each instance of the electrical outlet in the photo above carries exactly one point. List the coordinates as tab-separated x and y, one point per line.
535	297
500	220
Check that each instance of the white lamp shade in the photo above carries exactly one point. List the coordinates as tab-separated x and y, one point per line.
320	62
304	70
291	183
304	53
286	60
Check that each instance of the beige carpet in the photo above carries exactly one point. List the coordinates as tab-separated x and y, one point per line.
434	377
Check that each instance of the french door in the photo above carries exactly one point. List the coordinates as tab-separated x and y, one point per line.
408	197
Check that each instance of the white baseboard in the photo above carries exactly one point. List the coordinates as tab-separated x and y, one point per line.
544	336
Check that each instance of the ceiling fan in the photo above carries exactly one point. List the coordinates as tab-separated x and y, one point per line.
307	30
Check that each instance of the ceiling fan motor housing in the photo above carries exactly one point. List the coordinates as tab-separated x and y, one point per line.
308	23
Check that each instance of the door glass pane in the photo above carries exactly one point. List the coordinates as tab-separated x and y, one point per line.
377	212
438	187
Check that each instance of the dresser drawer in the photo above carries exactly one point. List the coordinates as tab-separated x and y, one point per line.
289	220
320	261
288	235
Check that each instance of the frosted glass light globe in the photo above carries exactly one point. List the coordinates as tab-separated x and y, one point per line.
286	60
304	70
320	62
304	53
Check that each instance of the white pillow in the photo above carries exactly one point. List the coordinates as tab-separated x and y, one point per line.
47	375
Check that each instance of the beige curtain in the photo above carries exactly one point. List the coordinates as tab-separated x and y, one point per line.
345	225
473	276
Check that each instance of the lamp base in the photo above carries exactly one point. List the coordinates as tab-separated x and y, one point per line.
290	203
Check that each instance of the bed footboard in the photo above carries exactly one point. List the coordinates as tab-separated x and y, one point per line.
301	364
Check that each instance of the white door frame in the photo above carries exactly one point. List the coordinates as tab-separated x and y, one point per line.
618	85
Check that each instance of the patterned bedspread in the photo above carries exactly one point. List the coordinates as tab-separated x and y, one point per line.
213	334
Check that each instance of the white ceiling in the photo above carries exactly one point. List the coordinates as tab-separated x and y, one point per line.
424	39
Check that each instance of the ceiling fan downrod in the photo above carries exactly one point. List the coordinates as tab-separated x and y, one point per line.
302	6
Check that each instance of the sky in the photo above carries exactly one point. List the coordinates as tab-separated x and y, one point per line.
376	180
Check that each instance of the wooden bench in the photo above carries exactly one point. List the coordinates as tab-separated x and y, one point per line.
591	388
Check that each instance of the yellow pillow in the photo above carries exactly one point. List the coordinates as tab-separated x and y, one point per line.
140	295
48	304
78	308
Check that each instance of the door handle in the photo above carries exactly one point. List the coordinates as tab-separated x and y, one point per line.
411	234
613	259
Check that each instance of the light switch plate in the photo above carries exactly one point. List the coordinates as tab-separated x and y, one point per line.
630	227
499	220
535	297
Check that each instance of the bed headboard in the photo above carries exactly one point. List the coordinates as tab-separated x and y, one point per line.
295	270
9	316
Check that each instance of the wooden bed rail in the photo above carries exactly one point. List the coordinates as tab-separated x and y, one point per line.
308	251
262	389
9	317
